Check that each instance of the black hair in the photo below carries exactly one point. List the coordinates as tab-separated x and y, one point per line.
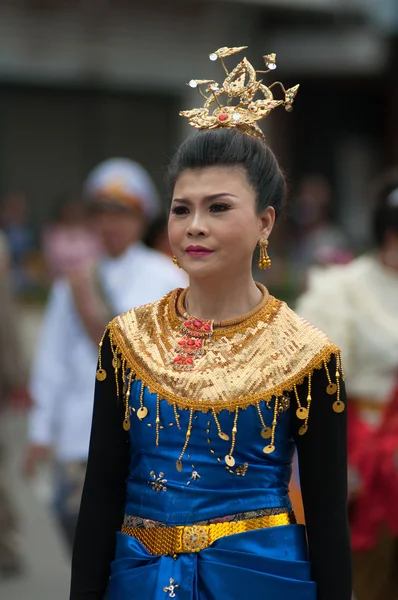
231	147
385	212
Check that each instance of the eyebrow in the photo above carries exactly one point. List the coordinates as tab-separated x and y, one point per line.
208	198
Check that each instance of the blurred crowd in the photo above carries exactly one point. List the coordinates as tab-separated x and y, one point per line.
106	249
308	235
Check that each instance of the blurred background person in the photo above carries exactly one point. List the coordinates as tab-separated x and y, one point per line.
69	240
12	379
357	305
122	200
317	238
14	221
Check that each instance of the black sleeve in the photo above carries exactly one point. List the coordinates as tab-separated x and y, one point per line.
104	493
322	454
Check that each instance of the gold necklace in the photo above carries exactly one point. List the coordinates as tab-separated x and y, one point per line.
197	333
227	322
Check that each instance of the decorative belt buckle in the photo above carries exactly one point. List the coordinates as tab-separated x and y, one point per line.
195	538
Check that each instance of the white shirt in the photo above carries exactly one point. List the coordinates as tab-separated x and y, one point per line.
357	306
63	375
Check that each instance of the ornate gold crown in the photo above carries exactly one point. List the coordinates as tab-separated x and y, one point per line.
241	85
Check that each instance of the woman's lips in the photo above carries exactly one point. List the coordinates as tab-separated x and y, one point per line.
197	251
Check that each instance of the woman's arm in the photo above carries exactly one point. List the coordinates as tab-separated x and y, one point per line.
322	454
104	494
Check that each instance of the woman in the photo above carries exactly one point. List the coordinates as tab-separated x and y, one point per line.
357	305
220	381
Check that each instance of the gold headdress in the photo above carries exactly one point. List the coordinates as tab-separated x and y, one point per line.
241	85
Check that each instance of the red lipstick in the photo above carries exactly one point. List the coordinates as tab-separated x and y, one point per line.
198	251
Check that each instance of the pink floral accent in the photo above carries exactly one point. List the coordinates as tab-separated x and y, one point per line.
191	345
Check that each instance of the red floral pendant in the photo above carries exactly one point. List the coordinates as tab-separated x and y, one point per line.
192	345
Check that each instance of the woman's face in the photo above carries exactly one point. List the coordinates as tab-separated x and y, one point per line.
213	224
117	230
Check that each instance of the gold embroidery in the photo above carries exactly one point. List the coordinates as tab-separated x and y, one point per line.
242	469
257	359
158	482
170	588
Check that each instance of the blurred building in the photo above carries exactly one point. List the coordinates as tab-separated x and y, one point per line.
81	80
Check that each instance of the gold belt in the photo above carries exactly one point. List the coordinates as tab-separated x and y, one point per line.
193	538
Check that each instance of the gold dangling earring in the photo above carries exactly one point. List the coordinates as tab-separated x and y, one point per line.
264	260
175	262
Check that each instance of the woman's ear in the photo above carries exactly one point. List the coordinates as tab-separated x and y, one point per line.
267	220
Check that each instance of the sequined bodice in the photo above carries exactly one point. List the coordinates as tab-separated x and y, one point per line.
205	487
209	409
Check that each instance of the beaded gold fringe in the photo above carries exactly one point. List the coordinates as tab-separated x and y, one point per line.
119	348
290	385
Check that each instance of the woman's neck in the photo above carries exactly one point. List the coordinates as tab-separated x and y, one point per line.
223	299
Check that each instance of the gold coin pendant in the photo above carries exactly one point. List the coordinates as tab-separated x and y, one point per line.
303	429
116	363
179	465
126	424
101	374
223	436
302	413
142	412
266	433
229	460
331	389
269	449
338	406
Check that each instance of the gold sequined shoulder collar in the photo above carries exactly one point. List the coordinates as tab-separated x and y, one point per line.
258	358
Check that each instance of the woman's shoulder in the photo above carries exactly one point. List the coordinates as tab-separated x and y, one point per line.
298	347
144	315
144	324
294	328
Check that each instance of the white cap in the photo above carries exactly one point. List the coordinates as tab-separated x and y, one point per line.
122	182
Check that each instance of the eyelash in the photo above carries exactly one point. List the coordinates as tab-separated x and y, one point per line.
220	205
215	208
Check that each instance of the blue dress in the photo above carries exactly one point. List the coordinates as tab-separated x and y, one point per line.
267	563
203	434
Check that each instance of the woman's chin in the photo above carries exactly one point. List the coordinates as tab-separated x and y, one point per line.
201	270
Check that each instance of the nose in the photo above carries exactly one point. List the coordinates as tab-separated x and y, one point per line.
197	225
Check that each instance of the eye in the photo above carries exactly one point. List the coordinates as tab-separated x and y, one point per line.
179	210
219	207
